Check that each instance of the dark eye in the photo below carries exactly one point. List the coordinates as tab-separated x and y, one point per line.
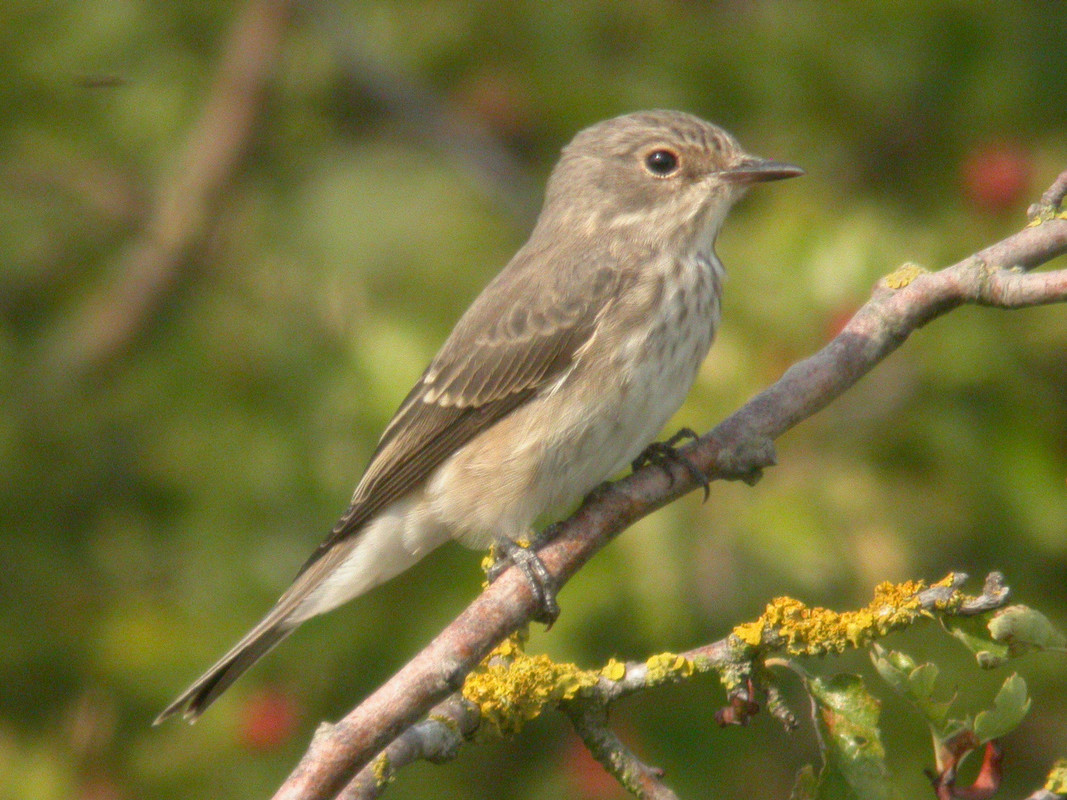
661	163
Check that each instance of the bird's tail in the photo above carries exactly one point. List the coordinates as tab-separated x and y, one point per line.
332	576
256	644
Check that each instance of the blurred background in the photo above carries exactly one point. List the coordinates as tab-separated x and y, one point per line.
234	234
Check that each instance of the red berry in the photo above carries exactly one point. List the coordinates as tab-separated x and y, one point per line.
268	719
996	176
586	776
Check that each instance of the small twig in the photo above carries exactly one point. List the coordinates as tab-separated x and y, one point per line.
590	721
994	595
1051	201
437	738
469	143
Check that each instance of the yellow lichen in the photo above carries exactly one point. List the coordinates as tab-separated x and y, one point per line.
903	275
665	667
511	687
1047	213
613	670
383	772
751	633
814	631
444	719
955	600
1057	778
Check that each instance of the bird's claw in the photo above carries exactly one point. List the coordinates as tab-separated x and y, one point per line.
542	584
663	453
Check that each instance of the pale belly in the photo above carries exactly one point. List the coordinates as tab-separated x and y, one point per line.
554	450
548	453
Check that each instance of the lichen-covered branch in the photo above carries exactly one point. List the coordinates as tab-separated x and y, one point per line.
512	687
739	447
590	721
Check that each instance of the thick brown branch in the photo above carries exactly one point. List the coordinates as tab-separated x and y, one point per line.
738	446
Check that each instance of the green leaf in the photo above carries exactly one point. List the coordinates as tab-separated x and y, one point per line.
922	678
893	666
1022	628
1009	707
921	683
915	682
975	637
854	758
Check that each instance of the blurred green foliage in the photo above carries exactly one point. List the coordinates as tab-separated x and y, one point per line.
155	501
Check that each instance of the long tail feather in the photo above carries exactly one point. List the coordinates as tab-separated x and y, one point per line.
256	644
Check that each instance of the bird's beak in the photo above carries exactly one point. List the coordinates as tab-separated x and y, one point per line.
756	170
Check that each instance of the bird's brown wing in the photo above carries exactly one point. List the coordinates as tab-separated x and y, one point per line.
521	333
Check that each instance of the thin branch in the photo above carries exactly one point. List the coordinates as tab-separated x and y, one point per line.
468	142
590	721
1051	202
437	738
738	447
112	317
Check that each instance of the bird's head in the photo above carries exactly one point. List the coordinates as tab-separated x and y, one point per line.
653	175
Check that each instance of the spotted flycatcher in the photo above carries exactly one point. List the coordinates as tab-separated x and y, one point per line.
559	374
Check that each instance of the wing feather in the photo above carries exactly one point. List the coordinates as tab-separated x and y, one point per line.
495	360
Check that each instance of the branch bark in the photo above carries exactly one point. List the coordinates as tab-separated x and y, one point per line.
739	447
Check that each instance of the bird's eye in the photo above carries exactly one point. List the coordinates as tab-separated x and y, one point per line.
661	163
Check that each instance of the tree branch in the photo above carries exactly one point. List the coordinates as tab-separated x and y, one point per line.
115	314
514	687
437	738
739	447
591	723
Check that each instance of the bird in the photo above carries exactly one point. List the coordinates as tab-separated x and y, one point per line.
557	377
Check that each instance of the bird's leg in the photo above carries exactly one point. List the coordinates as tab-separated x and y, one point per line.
541	583
663	453
504	561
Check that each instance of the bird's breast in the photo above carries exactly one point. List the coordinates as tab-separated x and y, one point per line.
660	359
591	423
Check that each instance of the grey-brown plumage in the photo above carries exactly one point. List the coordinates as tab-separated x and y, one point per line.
562	370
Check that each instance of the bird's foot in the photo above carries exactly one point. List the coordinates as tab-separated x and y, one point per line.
598	491
662	454
541	582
